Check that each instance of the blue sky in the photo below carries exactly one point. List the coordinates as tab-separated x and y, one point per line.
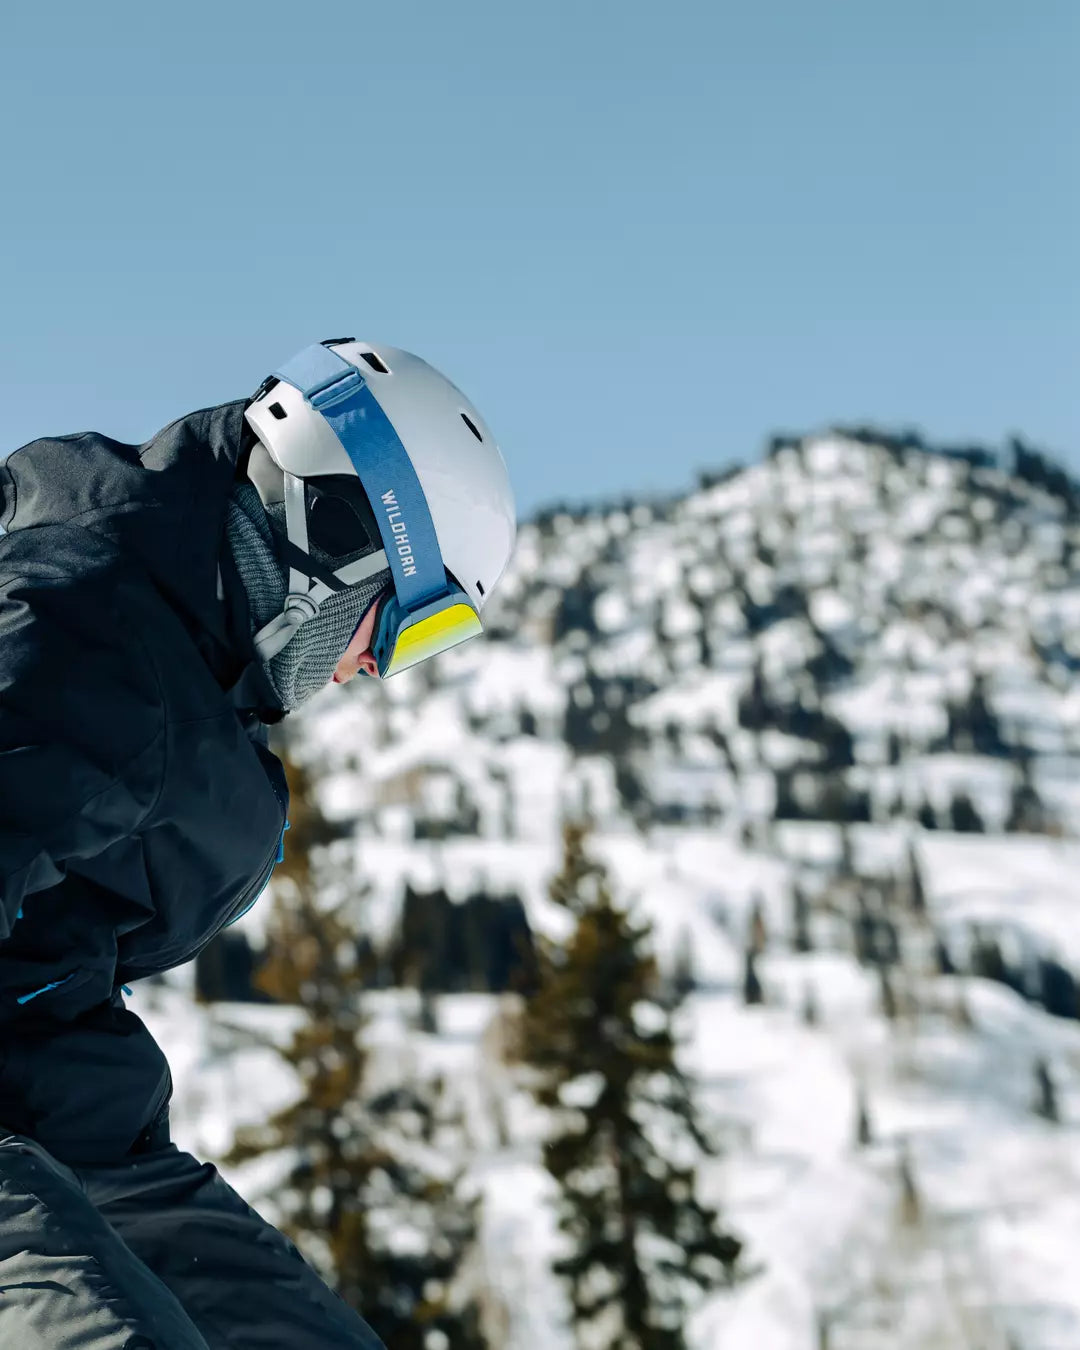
640	237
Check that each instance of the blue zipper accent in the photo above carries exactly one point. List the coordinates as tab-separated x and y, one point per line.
55	984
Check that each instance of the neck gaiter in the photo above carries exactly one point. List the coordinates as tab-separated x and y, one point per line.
307	662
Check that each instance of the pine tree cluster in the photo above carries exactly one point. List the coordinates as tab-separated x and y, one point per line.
368	1195
625	1142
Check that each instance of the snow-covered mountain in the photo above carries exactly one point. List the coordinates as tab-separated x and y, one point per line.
830	700
849	632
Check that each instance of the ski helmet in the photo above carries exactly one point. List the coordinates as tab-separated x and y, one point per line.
345	420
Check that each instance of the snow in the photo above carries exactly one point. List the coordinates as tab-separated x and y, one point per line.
889	701
520	1242
1023	885
927	602
831	611
819	1216
827	1213
515	678
697	700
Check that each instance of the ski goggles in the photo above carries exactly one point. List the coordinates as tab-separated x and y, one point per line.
404	637
428	612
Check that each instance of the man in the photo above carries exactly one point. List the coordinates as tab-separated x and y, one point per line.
159	606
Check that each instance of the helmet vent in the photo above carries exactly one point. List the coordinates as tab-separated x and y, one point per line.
472	427
375	362
480	587
276	410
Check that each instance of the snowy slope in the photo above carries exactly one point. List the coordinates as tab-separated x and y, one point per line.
623	641
996	1248
783	678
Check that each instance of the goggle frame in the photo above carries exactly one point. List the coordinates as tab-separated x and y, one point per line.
403	638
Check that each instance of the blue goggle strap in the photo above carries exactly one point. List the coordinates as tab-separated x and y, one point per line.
337	390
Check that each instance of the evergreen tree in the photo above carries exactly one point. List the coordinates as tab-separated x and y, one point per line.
801	938
864	1132
916	889
1046	1098
753	993
428	1014
683	975
757	936
981	721
889	1006
846	863
1028	813
960	1011
910	1209
755	712
626	1138
811	1012
987	960
964	817
864	931
364	1168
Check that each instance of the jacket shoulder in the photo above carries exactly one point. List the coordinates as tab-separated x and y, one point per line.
73	662
90	476
82	714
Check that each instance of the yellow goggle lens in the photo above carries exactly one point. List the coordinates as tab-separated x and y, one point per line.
428	637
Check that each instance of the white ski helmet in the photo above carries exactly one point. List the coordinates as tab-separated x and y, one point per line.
453	454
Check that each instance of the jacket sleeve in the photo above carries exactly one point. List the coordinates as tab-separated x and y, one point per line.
81	714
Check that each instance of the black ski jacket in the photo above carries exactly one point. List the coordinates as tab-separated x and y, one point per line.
140	809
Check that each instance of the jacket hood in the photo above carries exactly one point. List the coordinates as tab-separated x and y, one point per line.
165	503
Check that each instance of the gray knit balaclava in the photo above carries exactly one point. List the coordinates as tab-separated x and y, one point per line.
307	661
